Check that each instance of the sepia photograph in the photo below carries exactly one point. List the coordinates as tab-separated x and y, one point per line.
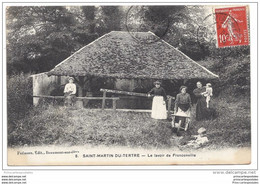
128	85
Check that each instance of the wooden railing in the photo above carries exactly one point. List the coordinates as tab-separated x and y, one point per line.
123	92
104	98
114	99
170	98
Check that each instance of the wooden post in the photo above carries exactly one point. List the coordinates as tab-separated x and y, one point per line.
114	104
104	100
81	86
185	81
53	100
169	106
80	81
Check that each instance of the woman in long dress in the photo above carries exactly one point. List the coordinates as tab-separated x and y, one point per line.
159	102
201	106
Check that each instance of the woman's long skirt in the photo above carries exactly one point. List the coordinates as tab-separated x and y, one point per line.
202	112
159	108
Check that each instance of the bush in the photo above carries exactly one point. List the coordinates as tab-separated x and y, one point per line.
42	125
234	74
19	99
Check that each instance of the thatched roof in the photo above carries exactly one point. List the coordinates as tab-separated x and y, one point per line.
118	54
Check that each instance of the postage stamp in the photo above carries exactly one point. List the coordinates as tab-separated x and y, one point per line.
231	25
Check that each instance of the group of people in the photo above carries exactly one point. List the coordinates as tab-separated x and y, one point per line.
183	101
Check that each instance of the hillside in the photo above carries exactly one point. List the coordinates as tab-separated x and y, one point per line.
61	126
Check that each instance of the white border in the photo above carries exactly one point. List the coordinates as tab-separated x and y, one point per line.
253	43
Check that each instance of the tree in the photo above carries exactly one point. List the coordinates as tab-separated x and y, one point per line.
38	37
177	25
107	18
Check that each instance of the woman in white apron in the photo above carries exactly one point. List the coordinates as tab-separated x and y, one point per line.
159	101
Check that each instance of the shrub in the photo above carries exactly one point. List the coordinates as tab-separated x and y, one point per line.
19	98
234	74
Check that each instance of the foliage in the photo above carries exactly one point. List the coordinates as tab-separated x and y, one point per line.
108	18
233	68
38	37
182	30
19	99
231	128
41	37
236	77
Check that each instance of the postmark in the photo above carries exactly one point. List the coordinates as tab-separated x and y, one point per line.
206	35
231	26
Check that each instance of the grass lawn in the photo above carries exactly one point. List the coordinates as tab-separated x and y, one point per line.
60	126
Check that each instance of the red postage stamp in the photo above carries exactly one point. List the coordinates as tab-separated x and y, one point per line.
232	29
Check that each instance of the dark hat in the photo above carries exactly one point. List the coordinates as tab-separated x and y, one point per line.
183	87
157	82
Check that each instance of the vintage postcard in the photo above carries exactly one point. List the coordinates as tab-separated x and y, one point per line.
128	85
